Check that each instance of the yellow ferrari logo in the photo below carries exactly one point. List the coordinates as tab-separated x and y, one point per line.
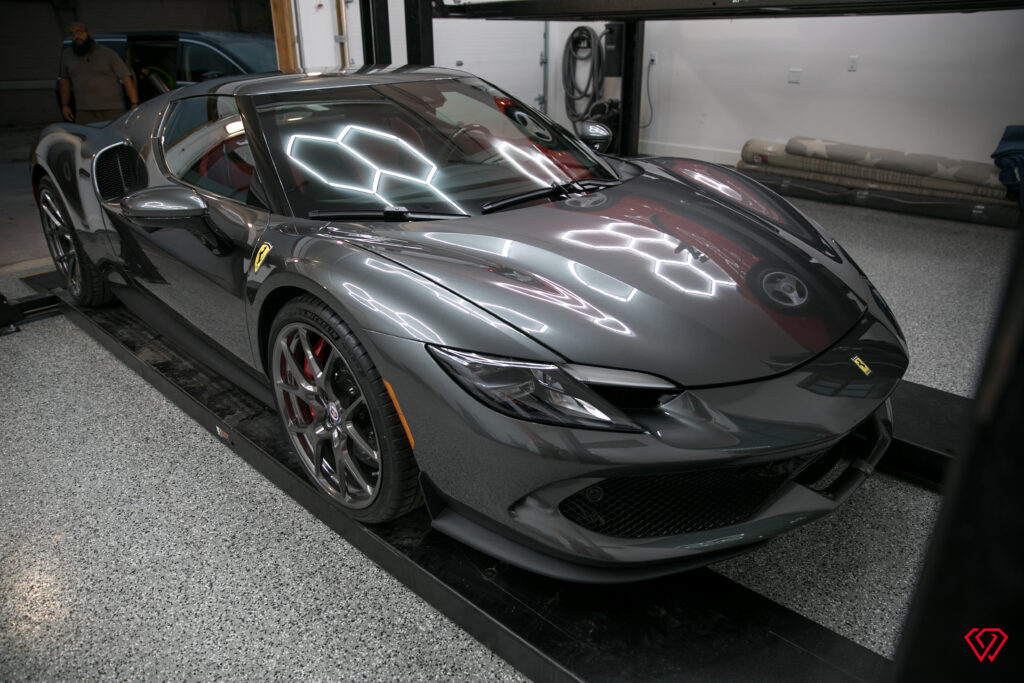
861	364
260	255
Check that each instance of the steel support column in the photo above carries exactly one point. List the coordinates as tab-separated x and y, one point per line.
376	31
632	87
419	31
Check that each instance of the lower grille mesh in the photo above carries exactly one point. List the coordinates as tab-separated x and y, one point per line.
671	504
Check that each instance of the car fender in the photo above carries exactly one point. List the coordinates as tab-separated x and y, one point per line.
64	154
373	294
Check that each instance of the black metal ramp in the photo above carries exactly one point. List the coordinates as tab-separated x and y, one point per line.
692	626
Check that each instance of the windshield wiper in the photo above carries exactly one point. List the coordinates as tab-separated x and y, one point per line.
392	213
554	191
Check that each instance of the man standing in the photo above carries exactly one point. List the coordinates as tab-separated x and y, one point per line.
96	73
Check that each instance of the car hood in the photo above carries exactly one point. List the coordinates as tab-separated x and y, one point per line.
688	271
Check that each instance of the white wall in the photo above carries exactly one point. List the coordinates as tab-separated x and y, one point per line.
316	24
945	84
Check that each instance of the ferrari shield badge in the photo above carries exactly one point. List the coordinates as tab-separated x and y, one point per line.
862	365
260	255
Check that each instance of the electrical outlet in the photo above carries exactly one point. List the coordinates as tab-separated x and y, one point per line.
654	58
794	75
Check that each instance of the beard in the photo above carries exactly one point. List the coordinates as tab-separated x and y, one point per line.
82	48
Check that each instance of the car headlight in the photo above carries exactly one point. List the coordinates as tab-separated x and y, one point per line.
538	392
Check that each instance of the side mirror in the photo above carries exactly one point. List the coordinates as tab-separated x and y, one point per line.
595	135
161	203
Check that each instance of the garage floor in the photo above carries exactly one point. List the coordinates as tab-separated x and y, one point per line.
134	544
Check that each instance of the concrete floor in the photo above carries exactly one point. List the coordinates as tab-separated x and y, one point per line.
134	545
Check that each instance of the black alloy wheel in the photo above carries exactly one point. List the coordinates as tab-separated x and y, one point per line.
81	277
338	414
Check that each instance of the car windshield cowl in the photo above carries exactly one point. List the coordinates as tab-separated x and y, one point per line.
395	213
555	191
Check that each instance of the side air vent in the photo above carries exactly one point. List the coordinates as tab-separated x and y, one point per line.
119	171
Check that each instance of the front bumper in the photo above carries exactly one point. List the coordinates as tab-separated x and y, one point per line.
718	469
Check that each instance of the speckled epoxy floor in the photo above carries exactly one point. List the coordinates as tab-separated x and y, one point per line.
134	545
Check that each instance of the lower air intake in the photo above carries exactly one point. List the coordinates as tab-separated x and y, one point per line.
117	172
672	504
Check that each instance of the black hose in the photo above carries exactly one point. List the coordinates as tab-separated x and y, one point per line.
583	45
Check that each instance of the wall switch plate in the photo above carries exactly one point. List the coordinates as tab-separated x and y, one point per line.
794	75
853	63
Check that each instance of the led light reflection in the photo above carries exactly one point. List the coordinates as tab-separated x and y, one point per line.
681	271
445	297
378	170
715	185
472	242
543	164
591	278
415	327
558	295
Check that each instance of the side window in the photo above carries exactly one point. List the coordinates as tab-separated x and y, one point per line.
205	145
199	62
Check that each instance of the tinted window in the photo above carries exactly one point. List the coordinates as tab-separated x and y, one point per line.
443	146
205	145
199	62
257	53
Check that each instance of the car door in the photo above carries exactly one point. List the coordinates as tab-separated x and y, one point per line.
187	239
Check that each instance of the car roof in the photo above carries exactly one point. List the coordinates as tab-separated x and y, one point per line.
283	84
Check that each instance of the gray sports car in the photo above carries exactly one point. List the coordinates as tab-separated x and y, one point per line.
595	368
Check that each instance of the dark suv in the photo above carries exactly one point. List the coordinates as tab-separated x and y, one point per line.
163	60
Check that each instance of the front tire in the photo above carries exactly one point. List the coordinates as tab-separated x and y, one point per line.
338	414
81	277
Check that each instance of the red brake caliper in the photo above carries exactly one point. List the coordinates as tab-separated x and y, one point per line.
319	350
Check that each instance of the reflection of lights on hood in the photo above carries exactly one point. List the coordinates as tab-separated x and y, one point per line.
378	171
234	127
472	242
415	327
602	282
542	163
681	271
517	319
716	185
558	295
445	297
735	189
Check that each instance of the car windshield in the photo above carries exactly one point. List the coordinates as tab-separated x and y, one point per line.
441	146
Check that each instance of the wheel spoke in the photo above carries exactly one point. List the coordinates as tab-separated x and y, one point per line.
343	463
304	392
360	441
346	415
293	368
311	360
313	432
49	206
